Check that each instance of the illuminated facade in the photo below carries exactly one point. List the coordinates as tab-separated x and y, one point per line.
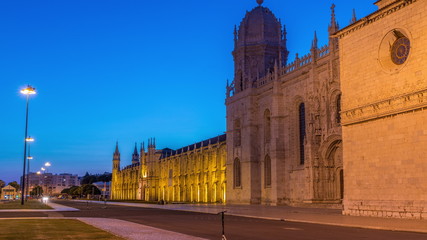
195	173
384	85
344	124
283	124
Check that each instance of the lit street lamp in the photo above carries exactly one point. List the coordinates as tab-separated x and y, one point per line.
27	91
28	139
47	164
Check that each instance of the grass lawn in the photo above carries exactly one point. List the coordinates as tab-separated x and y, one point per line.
50	229
30	204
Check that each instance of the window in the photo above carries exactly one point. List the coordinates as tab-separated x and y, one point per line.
267	126
267	171
338	107
237	133
237	173
301	121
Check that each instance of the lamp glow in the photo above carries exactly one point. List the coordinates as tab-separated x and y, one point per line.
28	90
47	164
43	169
29	139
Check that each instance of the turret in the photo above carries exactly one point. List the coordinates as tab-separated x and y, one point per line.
333	27
116	158
135	156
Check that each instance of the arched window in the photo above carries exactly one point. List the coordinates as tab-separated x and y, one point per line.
237	173
267	126
338	107
301	121
267	171
237	133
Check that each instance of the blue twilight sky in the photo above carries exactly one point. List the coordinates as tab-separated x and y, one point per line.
127	70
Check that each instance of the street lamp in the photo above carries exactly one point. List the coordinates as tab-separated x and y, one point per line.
28	139
27	91
47	164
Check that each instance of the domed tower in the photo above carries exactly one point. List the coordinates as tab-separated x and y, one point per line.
259	42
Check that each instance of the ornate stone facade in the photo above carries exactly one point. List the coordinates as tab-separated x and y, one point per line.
195	173
289	138
384	111
283	124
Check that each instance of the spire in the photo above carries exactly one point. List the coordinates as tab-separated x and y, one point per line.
135	151
259	2
116	157
135	155
333	27
314	43
354	18
117	148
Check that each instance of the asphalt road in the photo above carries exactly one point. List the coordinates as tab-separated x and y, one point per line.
209	225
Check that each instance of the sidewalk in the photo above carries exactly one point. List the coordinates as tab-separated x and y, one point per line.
294	214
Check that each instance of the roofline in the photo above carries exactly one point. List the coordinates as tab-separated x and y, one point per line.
373	17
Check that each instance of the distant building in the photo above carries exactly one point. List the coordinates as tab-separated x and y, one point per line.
9	193
52	183
104	187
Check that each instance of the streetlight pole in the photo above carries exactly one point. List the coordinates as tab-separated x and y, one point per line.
29	139
27	91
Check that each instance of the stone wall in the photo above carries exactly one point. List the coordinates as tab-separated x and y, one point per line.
383	113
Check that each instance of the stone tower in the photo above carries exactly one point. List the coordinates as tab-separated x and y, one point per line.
258	43
135	156
116	158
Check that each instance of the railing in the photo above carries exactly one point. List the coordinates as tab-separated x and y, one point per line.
297	64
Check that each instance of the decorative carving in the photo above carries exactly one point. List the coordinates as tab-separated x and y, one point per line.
388	107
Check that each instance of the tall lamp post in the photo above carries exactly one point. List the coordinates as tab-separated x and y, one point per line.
28	139
27	91
47	164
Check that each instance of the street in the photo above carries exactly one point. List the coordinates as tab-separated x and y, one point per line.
209	225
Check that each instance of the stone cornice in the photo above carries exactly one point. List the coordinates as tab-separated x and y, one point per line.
396	105
381	13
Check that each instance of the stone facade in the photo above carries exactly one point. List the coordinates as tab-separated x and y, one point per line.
291	137
384	111
283	124
195	173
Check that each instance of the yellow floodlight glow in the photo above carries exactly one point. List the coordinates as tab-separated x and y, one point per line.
28	90
38	173
29	139
43	169
47	164
30	157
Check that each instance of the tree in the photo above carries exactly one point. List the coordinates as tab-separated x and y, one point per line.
65	191
105	177
37	191
2	184
15	185
88	179
75	191
90	189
